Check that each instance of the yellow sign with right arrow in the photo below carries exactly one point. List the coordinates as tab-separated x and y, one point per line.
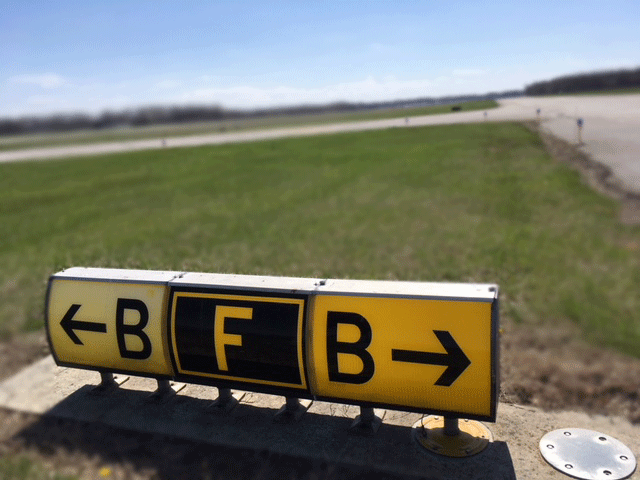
425	354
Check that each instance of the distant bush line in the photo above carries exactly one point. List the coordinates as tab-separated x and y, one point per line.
161	115
587	82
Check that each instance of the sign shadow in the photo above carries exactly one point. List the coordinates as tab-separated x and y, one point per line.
183	435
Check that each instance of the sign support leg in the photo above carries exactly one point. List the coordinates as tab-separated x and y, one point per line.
451	427
225	402
367	423
292	410
108	382
166	389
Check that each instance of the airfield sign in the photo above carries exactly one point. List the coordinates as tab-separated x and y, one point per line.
424	347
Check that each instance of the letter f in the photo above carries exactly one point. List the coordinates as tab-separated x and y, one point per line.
221	338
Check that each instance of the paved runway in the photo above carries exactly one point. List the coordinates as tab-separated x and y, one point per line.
611	131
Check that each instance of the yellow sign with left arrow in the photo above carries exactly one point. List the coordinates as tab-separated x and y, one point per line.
116	323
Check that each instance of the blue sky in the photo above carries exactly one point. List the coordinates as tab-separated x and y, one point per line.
66	56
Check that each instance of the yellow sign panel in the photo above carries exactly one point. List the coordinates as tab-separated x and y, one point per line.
424	354
110	325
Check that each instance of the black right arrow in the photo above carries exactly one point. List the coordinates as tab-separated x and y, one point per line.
68	324
455	360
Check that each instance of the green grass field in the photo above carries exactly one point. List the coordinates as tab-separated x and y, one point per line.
23	468
202	128
468	203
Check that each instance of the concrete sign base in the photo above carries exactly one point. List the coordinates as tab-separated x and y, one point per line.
322	432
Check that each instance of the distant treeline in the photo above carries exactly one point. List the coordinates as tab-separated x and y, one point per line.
586	82
164	115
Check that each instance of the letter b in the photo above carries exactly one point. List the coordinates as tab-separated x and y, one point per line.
357	348
123	329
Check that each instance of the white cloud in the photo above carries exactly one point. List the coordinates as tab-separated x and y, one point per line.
100	103
45	100
167	85
369	89
468	72
45	80
98	96
381	48
208	78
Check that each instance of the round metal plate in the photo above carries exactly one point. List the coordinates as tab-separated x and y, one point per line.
473	437
586	454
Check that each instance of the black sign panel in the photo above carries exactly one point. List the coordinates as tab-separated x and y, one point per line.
246	338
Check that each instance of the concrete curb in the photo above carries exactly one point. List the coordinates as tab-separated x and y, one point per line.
322	433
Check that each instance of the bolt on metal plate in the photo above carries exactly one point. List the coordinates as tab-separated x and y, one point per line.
588	455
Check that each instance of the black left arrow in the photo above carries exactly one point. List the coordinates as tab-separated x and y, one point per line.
455	360
68	324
